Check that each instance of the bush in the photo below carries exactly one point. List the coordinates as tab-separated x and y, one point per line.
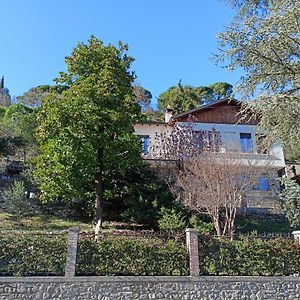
201	226
28	255
125	256
249	256
290	198
171	220
15	200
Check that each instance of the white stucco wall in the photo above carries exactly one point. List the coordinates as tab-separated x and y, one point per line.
229	134
153	130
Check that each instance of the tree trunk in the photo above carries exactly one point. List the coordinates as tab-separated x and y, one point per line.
99	201
216	222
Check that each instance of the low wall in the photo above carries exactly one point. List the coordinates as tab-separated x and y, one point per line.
121	288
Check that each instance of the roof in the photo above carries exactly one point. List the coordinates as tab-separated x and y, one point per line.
207	106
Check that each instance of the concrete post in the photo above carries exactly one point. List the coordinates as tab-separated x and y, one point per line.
296	235
72	252
192	247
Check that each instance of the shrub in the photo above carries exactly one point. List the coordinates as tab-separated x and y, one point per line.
15	200
171	220
201	226
27	255
290	198
249	256
125	256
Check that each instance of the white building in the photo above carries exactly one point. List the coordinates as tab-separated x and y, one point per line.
224	119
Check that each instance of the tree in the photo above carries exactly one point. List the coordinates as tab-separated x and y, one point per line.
35	96
87	133
204	179
142	96
19	123
180	98
185	97
5	99
290	198
264	41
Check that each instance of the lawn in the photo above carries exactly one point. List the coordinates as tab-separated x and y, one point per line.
40	222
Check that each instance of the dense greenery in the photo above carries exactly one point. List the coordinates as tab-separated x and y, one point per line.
15	200
248	256
264	41
125	256
86	134
17	125
32	254
182	98
290	197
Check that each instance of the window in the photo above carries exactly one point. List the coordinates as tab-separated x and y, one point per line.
145	143
246	142
263	184
209	140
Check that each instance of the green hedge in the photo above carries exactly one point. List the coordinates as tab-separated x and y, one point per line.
125	256
31	254
249	256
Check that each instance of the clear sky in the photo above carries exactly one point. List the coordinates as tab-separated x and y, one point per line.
169	39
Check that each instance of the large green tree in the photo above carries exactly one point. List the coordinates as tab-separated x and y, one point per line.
87	133
264	40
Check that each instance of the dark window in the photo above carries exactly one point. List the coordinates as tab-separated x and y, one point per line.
246	142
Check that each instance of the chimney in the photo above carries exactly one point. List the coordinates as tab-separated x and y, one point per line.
168	113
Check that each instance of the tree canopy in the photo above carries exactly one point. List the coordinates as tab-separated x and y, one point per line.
264	41
185	97
87	133
35	96
142	96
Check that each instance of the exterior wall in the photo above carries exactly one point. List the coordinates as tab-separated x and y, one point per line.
178	288
153	130
232	140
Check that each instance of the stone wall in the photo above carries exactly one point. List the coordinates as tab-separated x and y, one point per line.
121	288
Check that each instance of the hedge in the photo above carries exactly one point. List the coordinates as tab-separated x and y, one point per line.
249	256
32	254
119	255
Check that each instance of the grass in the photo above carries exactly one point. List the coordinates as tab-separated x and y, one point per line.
40	222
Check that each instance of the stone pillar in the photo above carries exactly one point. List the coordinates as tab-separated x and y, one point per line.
296	235
192	247
72	252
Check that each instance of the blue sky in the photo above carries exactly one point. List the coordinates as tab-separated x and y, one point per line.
169	39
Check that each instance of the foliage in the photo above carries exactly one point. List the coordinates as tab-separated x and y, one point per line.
87	134
261	225
18	125
171	220
290	198
200	225
182	98
32	254
15	200
264	40
141	194
248	257
142	96
5	98
125	256
35	96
